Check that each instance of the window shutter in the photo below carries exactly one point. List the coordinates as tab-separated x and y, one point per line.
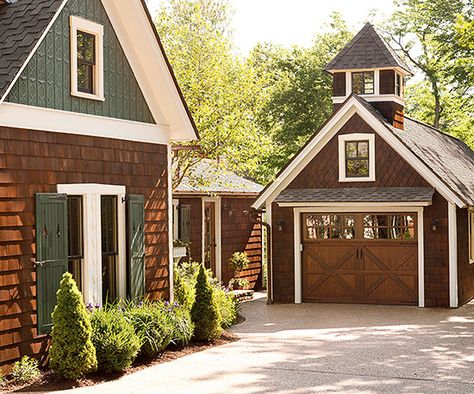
51	253
136	246
184	223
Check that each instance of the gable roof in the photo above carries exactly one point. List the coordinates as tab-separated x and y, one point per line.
368	49
21	26
444	161
210	178
24	24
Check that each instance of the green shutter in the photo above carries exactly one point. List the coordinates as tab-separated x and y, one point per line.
184	223
51	253
136	246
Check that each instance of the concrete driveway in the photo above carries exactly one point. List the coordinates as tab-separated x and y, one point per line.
325	348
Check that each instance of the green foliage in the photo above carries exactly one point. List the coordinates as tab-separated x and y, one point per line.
205	313
114	339
183	327
239	261
228	306
183	287
72	353
152	325
25	370
2	378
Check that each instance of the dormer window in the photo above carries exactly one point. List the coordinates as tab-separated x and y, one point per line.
363	82
357	157
87	74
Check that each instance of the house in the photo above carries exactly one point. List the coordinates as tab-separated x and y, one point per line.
377	208
88	106
212	206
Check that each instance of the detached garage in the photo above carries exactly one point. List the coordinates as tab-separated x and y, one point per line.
377	208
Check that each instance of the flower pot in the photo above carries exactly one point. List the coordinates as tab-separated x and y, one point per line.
179	251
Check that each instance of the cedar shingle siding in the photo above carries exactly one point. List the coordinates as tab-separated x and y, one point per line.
35	162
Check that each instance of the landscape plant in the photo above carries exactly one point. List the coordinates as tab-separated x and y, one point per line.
183	288
72	353
238	262
205	312
182	325
114	339
24	370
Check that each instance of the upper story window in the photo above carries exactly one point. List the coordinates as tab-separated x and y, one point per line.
398	85
471	235
87	73
356	158
363	82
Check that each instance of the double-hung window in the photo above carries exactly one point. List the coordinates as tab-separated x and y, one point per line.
363	82
87	74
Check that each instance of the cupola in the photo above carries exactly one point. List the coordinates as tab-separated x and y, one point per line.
370	68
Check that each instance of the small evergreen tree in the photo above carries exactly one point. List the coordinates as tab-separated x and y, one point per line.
205	313
72	353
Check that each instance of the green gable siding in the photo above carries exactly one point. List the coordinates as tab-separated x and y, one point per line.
46	81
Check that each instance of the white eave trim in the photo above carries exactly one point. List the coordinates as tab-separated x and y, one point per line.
350	205
45	119
372	98
331	128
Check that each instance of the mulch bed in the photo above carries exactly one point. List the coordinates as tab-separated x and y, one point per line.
51	382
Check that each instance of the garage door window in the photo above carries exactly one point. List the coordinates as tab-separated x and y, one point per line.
329	226
400	227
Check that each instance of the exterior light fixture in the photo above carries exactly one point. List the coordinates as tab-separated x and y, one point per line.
435	224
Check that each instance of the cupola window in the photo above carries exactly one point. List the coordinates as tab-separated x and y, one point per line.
363	82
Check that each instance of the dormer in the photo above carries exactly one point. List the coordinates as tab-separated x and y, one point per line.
370	68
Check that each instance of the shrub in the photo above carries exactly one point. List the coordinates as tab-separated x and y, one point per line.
72	353
205	313
183	327
2	378
239	261
25	370
152	326
228	306
114	339
183	289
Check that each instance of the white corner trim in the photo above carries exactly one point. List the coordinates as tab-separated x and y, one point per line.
297	240
46	119
342	139
171	223
79	24
333	125
92	263
218	231
376	82
453	255
35	48
268	219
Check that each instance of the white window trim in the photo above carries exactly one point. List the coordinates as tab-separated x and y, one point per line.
96	30
342	157
217	201
470	232
297	238
92	262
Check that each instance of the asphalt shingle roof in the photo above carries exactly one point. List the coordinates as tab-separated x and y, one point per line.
206	177
21	25
363	194
366	50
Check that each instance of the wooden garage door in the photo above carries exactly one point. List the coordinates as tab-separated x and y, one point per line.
360	258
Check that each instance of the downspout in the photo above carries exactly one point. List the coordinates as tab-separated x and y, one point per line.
255	217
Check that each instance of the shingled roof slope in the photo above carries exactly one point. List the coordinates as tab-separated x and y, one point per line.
366	50
21	25
207	177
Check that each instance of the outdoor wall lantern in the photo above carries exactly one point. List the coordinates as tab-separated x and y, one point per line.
281	225
435	224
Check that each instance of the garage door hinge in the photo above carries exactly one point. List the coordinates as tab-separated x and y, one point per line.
301	247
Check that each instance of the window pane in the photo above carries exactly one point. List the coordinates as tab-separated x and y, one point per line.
109	218
363	149
357	83
400	227
369	83
85	78
75	269
86	47
357	168
74	215
109	279
351	149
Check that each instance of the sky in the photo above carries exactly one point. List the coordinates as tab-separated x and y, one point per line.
289	22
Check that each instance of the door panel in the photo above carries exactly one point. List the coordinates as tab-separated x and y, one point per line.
358	270
210	235
136	245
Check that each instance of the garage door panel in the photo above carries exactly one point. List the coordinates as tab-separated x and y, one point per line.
390	290
391	258
330	288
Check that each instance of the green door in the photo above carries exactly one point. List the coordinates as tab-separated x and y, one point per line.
51	253
136	246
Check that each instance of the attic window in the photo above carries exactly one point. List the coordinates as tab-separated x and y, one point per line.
363	82
357	157
87	74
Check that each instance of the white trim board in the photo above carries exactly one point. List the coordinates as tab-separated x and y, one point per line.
171	208
45	119
356	208
329	130
453	255
92	262
218	232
